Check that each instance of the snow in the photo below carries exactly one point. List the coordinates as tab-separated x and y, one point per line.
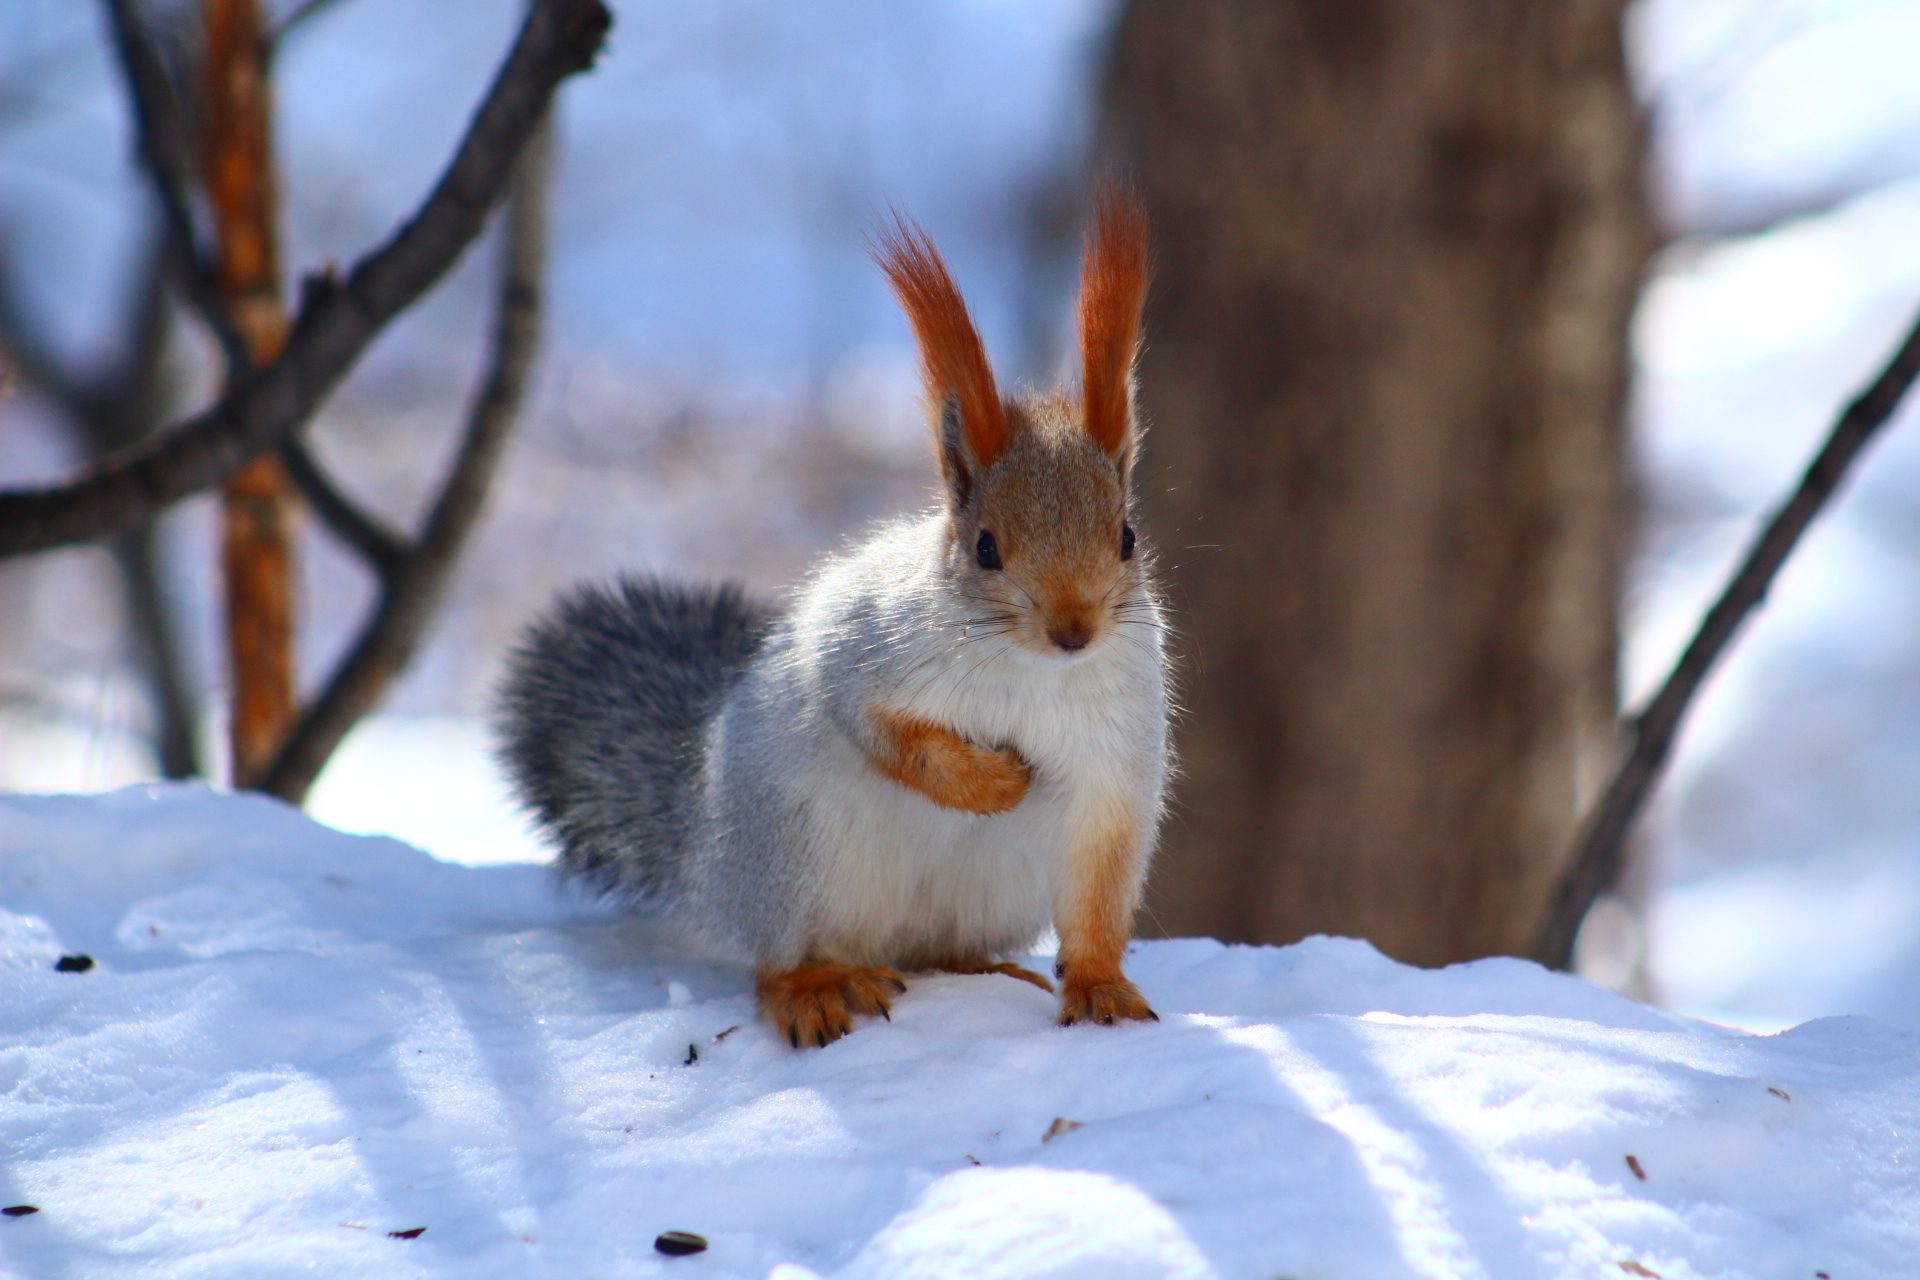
459	807
295	1041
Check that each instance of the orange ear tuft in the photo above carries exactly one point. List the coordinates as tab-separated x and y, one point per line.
1113	290
955	362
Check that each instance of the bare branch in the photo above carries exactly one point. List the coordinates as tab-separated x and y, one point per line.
165	155
109	410
383	549
132	403
140	554
411	593
1596	864
336	321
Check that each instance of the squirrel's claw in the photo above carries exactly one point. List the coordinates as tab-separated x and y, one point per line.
1103	1002
817	1002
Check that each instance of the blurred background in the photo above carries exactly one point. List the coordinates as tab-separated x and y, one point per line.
725	389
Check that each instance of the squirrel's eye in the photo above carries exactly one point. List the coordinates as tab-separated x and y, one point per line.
987	551
1126	542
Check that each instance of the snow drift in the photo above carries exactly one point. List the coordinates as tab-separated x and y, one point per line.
294	1042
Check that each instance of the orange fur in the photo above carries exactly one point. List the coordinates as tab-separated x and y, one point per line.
1113	290
1095	927
946	768
989	966
1063	597
950	351
815	1003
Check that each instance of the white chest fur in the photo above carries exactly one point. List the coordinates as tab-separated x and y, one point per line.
917	884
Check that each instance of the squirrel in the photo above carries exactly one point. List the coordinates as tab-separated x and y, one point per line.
955	735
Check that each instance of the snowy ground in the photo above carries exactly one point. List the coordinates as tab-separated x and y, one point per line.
296	1041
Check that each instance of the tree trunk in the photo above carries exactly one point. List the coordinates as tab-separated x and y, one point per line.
1396	245
258	500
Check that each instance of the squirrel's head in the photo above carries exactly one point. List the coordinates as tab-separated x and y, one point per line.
1038	501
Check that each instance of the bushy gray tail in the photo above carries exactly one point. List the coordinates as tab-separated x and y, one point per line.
602	719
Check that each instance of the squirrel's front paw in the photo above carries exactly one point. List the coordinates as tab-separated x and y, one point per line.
993	780
945	767
1085	1000
815	1003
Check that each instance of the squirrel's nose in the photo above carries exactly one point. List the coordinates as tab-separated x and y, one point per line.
1072	637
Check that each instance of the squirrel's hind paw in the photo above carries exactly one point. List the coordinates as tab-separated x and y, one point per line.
1102	1002
815	1003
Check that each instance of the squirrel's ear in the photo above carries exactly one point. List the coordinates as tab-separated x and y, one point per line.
1113	290
971	423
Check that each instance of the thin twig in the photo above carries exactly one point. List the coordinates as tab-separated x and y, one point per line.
165	154
383	549
410	593
125	407
141	555
1596	865
336	321
107	410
